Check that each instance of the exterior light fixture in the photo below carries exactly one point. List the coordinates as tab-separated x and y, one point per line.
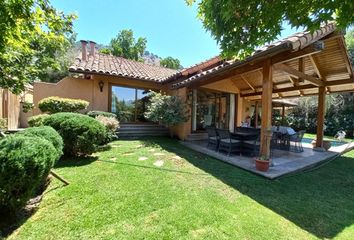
101	85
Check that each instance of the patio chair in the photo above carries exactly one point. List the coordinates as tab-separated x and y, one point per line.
251	145
227	142
297	140
213	138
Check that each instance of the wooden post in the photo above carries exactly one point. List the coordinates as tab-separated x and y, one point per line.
282	114
267	89
321	116
256	117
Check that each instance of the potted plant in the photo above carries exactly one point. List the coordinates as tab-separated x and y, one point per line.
262	163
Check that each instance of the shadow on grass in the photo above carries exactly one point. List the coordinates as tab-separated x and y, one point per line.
320	201
75	161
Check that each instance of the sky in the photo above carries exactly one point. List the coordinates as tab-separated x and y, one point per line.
170	26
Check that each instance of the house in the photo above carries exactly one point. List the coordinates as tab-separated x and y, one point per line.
218	92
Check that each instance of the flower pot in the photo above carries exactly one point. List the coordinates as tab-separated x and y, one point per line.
262	165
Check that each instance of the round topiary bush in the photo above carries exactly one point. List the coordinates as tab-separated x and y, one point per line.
95	114
25	163
36	121
81	134
47	133
57	104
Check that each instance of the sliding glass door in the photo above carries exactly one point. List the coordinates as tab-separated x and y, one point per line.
129	103
210	109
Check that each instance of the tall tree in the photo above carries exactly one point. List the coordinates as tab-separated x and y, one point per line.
170	62
125	45
242	25
32	34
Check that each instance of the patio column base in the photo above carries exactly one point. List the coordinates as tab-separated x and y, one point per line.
319	149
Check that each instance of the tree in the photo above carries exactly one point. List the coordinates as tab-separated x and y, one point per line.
169	110
240	26
171	62
126	46
32	34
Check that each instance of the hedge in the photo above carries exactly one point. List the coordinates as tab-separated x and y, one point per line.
25	163
81	134
94	114
47	133
36	121
56	104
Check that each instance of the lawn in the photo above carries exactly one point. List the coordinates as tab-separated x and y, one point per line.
331	138
125	193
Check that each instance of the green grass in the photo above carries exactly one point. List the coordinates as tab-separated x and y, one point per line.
115	196
331	138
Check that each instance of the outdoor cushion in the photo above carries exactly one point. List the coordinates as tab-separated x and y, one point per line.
252	142
290	131
228	140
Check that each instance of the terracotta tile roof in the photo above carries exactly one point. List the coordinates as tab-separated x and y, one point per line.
294	42
118	66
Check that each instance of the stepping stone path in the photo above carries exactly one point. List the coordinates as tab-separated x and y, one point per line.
113	159
139	146
128	154
114	146
177	157
142	158
159	163
151	150
159	154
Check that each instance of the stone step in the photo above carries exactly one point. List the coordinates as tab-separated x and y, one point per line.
197	136
138	130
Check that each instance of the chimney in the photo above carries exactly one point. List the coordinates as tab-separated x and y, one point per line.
92	48
84	50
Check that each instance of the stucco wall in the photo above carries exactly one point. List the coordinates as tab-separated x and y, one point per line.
86	89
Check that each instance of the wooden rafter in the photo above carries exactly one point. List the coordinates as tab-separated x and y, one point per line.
297	73
343	50
316	66
303	87
247	82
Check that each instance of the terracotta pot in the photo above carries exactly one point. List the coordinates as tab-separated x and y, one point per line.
262	165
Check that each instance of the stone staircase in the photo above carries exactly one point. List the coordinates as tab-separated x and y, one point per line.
197	136
139	130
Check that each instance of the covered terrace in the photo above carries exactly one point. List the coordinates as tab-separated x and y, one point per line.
301	65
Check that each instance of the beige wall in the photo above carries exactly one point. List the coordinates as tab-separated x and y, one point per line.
86	89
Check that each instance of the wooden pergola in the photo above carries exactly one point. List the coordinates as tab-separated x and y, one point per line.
300	65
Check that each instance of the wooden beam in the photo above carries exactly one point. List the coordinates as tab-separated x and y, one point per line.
266	109
247	82
296	73
316	66
321	116
256	117
218	76
307	51
302	87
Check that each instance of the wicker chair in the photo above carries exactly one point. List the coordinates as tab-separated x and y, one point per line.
213	138
251	145
227	142
297	139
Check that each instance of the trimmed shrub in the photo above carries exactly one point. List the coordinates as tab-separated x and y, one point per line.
111	125
81	134
94	114
25	163
37	120
47	133
56	104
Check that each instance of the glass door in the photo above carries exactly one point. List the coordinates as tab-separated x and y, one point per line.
129	103
211	110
